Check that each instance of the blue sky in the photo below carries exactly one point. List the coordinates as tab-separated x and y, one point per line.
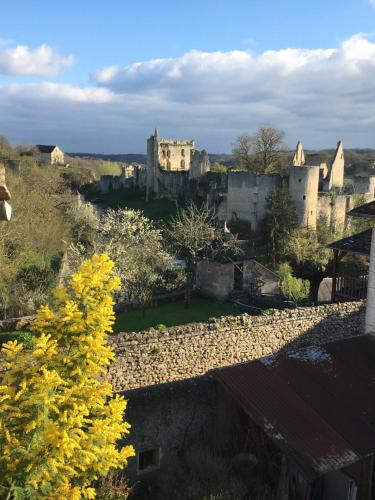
70	72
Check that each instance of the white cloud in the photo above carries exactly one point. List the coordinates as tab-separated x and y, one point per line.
43	61
48	91
318	95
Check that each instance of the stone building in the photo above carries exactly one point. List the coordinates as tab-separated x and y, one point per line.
228	274
317	190
50	154
171	163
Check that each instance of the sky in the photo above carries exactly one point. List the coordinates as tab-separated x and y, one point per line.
98	76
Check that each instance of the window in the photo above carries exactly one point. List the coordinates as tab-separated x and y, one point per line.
182	152
168	165
299	180
149	459
168	153
304	197
163	153
182	163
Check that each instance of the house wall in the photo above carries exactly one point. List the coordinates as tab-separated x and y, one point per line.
154	357
171	417
57	156
215	279
247	194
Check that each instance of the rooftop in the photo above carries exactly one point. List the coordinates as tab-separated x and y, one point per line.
359	243
317	403
45	148
366	210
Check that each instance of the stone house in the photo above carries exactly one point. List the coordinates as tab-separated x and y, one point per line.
50	154
220	277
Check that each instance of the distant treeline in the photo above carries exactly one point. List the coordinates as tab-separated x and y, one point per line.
358	161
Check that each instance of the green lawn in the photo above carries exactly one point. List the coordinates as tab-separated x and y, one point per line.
154	209
172	314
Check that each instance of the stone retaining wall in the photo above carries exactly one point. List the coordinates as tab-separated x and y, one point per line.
153	357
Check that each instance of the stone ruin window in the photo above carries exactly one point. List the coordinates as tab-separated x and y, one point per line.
168	153
182	163
299	180
182	152
304	197
168	165
163	153
148	460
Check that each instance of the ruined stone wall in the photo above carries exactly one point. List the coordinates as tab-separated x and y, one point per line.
200	164
153	357
247	196
172	184
175	155
333	209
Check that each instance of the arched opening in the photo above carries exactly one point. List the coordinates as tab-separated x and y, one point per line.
182	163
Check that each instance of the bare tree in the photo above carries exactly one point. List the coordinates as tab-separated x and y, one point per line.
268	145
262	152
195	234
243	151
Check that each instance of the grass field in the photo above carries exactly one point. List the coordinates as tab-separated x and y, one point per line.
172	314
156	210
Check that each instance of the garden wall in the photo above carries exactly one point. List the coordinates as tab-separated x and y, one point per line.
178	353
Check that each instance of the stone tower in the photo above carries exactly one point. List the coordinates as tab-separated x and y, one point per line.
299	155
303	189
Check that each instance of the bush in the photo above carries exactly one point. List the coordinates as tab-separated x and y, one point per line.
113	487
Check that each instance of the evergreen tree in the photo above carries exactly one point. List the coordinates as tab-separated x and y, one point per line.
280	221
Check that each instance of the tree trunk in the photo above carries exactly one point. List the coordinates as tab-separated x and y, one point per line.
314	288
189	285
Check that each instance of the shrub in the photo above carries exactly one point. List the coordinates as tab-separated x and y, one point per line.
59	423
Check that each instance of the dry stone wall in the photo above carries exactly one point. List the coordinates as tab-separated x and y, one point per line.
178	353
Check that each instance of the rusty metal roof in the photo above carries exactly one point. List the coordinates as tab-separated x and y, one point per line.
317	403
359	243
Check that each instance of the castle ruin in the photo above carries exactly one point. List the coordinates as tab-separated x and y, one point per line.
171	164
317	191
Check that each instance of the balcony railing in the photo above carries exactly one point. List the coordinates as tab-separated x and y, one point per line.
348	288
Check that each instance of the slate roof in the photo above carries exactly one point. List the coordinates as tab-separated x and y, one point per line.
366	210
359	243
317	403
45	148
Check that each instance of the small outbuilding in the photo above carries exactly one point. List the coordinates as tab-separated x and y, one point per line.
50	154
317	406
227	273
